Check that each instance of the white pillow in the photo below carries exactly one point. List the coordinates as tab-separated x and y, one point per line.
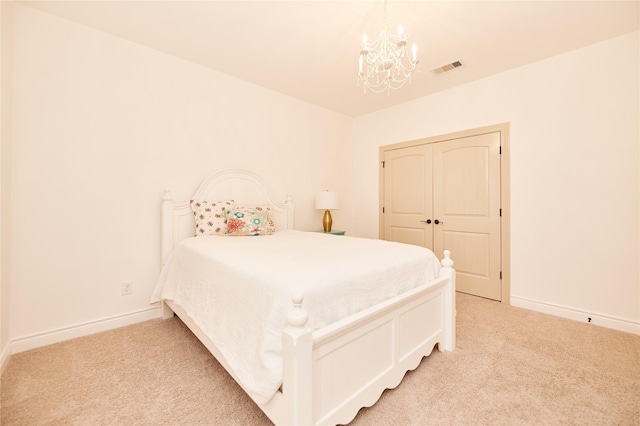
210	216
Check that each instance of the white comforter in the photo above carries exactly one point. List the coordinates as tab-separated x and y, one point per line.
238	289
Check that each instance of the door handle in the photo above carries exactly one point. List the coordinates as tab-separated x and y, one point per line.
437	222
426	221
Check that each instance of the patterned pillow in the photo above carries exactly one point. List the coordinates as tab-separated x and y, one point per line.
250	221
210	216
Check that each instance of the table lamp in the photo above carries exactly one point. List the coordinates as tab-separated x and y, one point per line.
327	200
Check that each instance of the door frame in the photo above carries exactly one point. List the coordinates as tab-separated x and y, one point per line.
505	220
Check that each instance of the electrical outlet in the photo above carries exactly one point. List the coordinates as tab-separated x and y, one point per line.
127	287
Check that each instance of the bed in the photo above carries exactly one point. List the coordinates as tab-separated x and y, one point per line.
306	350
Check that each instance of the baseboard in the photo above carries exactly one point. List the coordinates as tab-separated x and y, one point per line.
48	338
577	315
4	357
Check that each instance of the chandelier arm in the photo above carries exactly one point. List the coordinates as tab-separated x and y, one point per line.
384	63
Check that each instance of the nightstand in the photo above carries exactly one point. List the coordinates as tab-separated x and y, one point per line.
334	232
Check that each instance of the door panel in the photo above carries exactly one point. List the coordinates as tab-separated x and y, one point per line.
467	204
473	250
408	235
408	195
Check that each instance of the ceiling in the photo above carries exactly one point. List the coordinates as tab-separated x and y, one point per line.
309	49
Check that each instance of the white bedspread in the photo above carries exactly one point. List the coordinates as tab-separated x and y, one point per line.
238	289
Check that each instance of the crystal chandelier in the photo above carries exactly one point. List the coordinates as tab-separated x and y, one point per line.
385	64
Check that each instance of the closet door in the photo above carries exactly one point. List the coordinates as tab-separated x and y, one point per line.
408	196
466	200
446	196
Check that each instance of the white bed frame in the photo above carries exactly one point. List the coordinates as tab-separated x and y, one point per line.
330	373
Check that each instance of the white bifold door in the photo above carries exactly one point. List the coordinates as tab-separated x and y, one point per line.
446	196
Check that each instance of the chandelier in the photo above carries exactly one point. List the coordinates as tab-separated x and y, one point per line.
385	64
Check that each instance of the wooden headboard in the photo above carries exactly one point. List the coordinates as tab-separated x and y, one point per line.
244	187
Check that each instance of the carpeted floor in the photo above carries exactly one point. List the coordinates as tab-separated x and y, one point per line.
511	367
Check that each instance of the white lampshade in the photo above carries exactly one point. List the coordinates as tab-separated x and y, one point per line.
327	200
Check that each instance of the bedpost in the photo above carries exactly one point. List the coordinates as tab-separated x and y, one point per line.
450	303
297	344
166	227
290	211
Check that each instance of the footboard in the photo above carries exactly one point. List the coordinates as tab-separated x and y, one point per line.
331	373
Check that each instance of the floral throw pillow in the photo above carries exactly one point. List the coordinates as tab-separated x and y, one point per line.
210	216
250	221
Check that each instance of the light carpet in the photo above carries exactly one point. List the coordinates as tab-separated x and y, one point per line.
511	366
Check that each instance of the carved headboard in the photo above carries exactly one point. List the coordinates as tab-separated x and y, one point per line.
244	187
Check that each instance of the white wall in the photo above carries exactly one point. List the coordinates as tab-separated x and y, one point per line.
574	173
101	127
6	38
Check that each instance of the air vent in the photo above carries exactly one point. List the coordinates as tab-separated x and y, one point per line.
446	68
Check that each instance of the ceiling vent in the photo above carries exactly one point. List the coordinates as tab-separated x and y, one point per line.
448	67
